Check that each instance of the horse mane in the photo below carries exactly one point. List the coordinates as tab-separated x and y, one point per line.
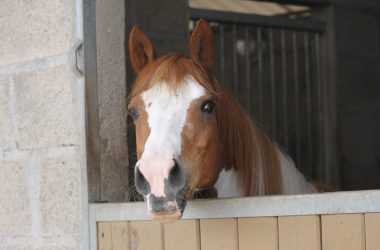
246	148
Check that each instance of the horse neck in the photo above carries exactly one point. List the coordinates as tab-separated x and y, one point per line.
248	151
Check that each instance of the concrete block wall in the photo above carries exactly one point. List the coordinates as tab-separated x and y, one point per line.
43	195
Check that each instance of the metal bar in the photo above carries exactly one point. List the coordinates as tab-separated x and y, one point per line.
235	60
284	91
247	69
321	162
221	52
249	19
310	166
260	74
273	86
296	99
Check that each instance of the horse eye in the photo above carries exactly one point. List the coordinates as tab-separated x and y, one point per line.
208	106
133	113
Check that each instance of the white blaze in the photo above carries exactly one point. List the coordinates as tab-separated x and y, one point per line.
167	112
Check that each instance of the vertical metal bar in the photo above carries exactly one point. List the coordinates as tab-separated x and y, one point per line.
235	60
296	99
260	74
284	91
273	86
221	52
321	161
247	68
310	166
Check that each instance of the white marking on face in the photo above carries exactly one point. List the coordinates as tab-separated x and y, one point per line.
167	112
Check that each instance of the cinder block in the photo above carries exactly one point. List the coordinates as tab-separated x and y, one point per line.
60	196
15	212
13	247
45	104
5	113
35	29
56	248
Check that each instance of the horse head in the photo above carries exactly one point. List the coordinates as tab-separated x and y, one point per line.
174	105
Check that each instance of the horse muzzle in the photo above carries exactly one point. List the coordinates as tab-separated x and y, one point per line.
163	209
164	190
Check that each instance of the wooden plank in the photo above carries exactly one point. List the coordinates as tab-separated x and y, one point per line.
299	232
104	236
372	231
217	234
146	235
120	235
182	235
343	231
258	233
113	235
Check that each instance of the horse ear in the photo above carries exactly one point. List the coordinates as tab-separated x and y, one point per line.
141	50
202	44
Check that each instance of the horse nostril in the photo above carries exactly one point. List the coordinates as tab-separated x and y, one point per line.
141	183
176	176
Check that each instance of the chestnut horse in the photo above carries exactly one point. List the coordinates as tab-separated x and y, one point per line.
194	137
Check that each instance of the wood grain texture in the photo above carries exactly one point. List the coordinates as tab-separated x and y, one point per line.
113	235
372	231
258	233
104	236
343	231
182	235
146	235
218	234
299	232
120	235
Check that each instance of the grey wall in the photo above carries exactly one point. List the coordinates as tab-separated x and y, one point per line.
352	78
358	96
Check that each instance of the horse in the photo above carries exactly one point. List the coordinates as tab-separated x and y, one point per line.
193	138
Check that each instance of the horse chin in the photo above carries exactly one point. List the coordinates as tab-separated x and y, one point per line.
170	216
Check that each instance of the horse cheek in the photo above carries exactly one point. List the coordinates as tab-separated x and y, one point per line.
209	155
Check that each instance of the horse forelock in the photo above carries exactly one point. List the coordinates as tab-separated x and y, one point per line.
173	70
